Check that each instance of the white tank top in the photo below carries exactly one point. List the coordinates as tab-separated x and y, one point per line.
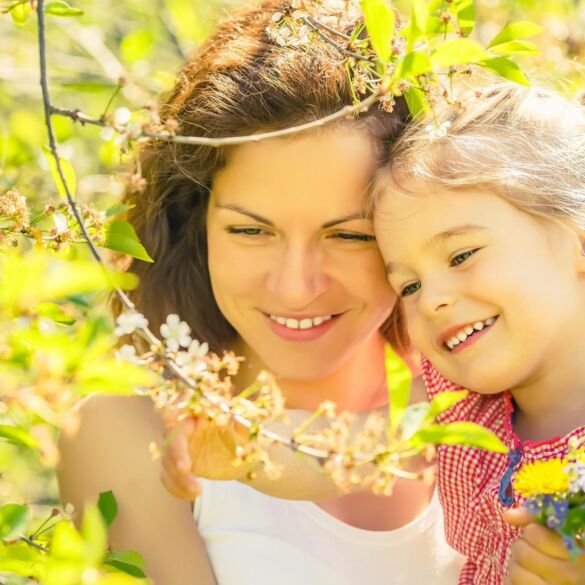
254	539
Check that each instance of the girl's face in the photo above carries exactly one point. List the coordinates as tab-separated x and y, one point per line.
293	262
492	295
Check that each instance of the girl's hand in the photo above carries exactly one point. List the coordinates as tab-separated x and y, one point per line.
195	447
540	556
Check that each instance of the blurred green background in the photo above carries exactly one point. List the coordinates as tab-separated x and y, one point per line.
144	43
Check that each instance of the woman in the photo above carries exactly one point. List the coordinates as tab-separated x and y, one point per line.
265	249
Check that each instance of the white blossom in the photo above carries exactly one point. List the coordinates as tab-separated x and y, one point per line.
435	131
129	322
127	353
122	116
175	332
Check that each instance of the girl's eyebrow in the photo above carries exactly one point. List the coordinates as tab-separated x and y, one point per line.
438	238
264	220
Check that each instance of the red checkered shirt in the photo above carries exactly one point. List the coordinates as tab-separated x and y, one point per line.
470	480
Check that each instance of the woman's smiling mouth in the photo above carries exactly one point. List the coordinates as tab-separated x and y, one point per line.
301	327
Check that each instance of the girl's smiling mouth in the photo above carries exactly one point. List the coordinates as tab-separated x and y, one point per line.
459	337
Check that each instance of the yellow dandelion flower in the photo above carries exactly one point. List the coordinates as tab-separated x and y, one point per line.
542	478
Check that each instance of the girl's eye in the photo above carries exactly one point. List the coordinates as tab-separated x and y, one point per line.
410	289
462	257
246	231
354	237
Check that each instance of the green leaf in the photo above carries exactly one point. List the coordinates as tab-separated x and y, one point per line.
465	16
417	104
54	312
130	562
118	209
18	436
110	376
61	8
13	519
67	544
380	20
122	238
68	174
398	381
515	48
574	522
418	22
506	68
108	506
21	13
93	531
460	433
413	64
516	30
457	52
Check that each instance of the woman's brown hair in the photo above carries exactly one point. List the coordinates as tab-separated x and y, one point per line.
237	83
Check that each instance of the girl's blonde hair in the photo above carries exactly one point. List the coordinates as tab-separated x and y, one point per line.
523	143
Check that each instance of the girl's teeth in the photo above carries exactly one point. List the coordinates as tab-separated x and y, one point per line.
318	321
469	330
478	326
280	320
490	321
462	336
292	323
306	324
450	345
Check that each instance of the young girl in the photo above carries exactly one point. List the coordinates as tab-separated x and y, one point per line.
483	234
482	228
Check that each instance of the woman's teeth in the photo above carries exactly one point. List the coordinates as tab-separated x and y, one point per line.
467	331
302	323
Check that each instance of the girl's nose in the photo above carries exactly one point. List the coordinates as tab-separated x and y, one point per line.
297	278
436	296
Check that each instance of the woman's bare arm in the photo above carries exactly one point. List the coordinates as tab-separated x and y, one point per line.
301	477
110	451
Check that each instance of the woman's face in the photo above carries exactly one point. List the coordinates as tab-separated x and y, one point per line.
293	261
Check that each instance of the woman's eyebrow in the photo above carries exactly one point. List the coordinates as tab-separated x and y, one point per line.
244	211
264	220
350	217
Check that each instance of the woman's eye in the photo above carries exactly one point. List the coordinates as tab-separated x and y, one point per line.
246	231
462	257
410	289
354	237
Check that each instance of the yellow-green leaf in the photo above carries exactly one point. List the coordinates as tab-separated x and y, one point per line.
398	381
457	52
516	30
21	13
507	69
13	519
122	238
460	433
515	48
61	8
380	20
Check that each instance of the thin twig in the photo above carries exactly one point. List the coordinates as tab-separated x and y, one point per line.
344	112
312	21
316	28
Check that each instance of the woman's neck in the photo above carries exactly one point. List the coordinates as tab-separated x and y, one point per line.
357	384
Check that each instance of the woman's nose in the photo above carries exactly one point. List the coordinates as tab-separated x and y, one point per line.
297	278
